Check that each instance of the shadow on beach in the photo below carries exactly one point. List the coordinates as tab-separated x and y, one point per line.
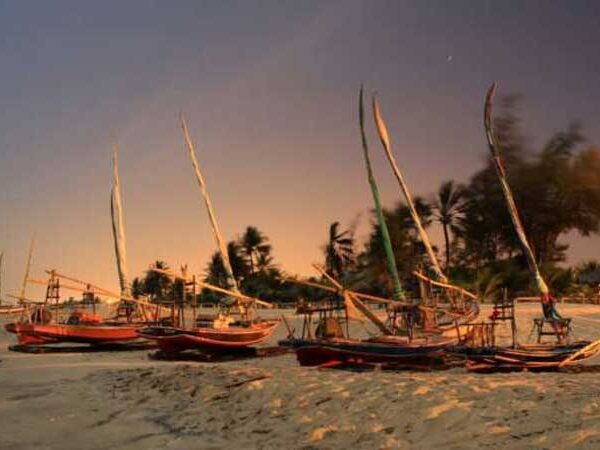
81	348
220	356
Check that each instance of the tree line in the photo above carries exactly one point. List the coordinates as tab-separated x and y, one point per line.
556	188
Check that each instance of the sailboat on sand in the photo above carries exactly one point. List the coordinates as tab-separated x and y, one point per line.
224	331
410	335
41	324
520	356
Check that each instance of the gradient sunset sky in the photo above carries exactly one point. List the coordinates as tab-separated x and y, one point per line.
270	92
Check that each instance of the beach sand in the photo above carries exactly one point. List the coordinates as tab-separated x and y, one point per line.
126	400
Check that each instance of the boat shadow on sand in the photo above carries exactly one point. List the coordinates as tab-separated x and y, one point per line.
60	348
220	356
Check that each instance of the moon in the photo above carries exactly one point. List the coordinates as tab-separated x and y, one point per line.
449	58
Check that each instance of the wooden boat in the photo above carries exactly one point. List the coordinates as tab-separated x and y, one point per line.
522	357
234	336
319	352
484	357
41	322
423	323
26	334
39	334
223	332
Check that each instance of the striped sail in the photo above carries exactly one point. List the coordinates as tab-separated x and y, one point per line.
398	292
547	302
116	213
231	283
385	142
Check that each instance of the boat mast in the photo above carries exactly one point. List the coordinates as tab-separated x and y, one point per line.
385	142
231	283
548	307
398	292
1	275
27	269
116	213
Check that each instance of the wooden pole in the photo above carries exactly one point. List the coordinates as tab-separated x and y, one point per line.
232	284
385	142
348	297
27	267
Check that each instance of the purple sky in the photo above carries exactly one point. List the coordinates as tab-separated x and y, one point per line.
269	89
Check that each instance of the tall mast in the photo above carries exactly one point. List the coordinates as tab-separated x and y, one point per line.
1	275
231	283
398	292
116	213
548	308
385	142
27	269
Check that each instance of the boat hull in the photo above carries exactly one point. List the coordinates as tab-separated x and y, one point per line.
531	357
37	334
171	339
323	352
26	334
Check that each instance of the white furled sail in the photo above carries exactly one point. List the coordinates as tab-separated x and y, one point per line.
385	141
116	212
231	283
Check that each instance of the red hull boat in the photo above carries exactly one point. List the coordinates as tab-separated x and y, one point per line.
26	334
37	334
170	339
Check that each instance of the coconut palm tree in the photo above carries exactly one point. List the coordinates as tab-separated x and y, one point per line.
215	271
137	287
339	250
448	209
156	284
254	247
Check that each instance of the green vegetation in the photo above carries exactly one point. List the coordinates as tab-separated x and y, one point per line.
557	190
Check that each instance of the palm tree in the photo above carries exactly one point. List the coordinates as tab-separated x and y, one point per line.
156	284
339	250
137	287
215	271
449	208
255	247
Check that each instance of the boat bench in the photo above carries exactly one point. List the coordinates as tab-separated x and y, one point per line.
560	328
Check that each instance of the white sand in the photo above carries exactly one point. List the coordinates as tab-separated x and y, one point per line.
125	400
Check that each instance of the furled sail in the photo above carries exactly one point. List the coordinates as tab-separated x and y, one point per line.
116	213
398	292
231	283
548	307
385	141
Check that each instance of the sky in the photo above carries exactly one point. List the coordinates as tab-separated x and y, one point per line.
269	89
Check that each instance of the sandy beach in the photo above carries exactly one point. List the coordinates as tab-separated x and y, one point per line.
126	400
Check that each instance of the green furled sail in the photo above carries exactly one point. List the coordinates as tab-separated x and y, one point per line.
398	292
385	142
548	307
